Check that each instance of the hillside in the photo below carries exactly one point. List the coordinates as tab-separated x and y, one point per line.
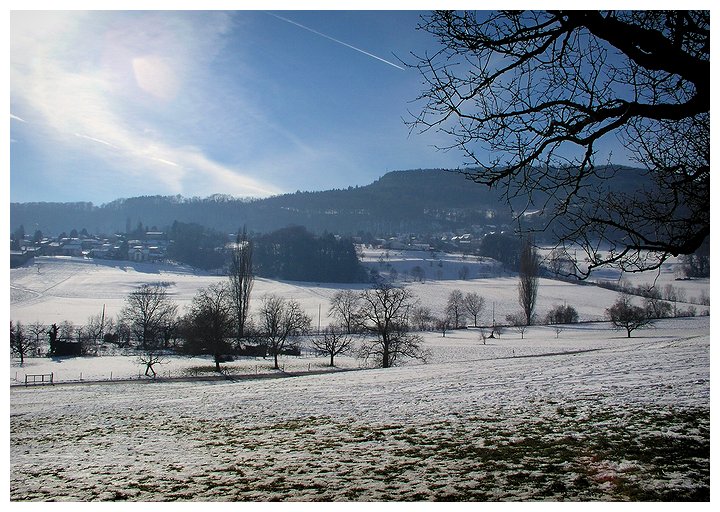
589	416
414	201
54	289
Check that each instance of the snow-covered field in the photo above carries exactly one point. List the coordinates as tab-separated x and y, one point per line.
73	289
590	415
586	414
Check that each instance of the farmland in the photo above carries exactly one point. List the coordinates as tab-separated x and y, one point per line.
579	414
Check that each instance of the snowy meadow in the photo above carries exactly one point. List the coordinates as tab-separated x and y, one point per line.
581	413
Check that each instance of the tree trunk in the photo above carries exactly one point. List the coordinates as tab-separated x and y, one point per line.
386	355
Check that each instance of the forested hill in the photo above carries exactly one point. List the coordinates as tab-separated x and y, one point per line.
419	201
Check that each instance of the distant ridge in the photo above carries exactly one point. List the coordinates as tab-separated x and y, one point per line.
412	201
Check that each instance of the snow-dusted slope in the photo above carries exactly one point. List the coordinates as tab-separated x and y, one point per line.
589	415
58	289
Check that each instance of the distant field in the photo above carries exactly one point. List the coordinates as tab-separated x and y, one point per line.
57	289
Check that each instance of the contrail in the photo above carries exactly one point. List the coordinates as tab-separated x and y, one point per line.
335	40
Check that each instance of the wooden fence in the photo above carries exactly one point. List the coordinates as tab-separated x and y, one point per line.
44	378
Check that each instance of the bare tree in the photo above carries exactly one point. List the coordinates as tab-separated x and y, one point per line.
146	310
344	308
483	335
422	318
280	320
209	324
464	273
518	322
530	97
474	305
67	330
242	279
560	263
657	308
417	273
625	315
455	308
333	341
93	332
150	358
385	312
443	324
528	274
38	330
20	344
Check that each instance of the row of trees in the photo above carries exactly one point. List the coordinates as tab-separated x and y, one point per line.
295	254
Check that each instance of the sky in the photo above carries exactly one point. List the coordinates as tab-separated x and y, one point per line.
110	104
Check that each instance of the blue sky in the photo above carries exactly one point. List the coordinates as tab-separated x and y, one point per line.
110	104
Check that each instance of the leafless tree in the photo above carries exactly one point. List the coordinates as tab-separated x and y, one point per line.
333	341
528	274
657	308
417	273
455	308
344	308
93	332
67	330
422	318
483	335
280	320
209	324
474	305
443	323
464	273
242	279
518	322
146	310
560	263
150	358
20	344
385	312
529	97
625	315
38	330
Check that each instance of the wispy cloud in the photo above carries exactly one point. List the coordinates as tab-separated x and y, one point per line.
287	20
112	82
16	118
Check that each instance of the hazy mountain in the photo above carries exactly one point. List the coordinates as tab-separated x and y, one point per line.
417	201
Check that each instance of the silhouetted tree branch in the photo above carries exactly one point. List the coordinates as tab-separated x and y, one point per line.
529	96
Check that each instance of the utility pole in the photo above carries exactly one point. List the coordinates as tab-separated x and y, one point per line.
492	333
